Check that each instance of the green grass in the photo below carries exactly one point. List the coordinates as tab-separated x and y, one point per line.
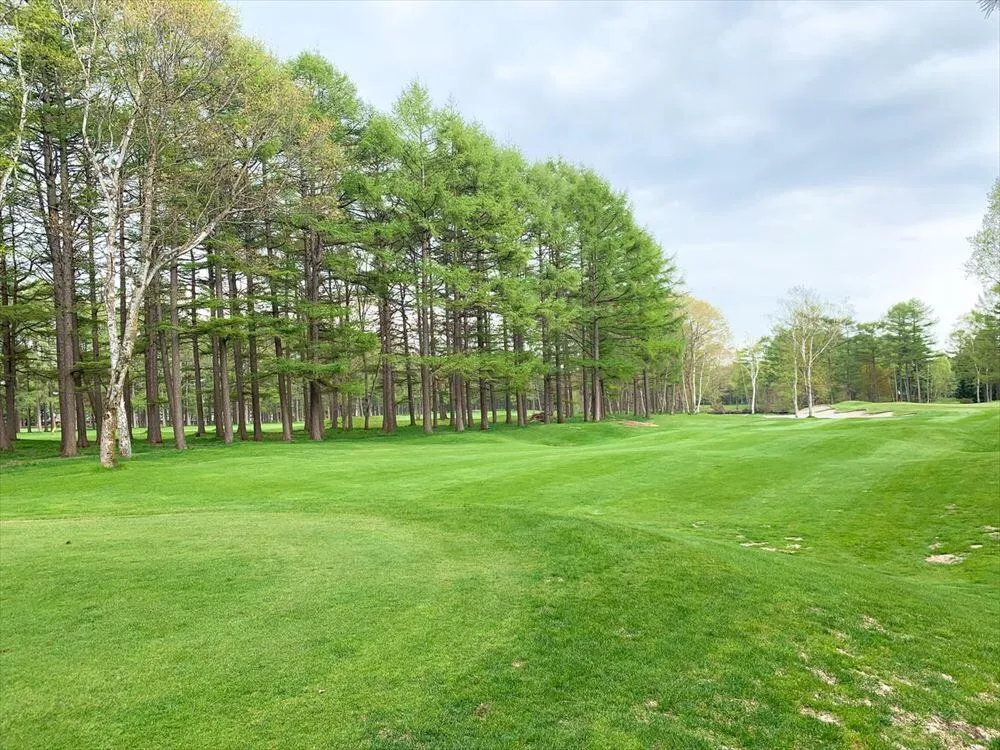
564	586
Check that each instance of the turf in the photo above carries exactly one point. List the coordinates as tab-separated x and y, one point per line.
717	580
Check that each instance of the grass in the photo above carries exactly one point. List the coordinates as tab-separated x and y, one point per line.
564	586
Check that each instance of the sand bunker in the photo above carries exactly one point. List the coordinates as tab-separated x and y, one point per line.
825	411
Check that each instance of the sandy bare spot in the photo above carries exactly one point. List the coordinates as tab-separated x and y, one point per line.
870	623
649	708
482	710
935	546
826	718
954	734
951	506
975	546
828	678
386	734
517	663
793	539
944	559
631	423
883	689
753	544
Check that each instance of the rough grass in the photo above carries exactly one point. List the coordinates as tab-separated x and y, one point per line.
715	581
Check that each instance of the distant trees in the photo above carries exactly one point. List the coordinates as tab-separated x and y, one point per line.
907	345
976	351
816	353
813	327
706	351
976	340
751	358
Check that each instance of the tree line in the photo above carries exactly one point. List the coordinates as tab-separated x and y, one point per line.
818	351
195	233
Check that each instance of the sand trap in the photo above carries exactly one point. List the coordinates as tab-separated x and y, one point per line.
825	411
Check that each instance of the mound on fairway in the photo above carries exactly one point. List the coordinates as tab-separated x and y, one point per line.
717	581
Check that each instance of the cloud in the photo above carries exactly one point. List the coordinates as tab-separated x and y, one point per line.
847	146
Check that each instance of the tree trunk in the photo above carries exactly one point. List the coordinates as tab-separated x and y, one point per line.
223	412
58	225
241	396
174	381
154	435
388	381
597	385
82	440
258	430
9	419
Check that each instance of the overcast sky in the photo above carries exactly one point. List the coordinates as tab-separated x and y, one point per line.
845	147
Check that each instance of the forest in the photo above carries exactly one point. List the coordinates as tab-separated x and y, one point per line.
195	233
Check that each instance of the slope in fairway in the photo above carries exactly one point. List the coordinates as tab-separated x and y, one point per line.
713	581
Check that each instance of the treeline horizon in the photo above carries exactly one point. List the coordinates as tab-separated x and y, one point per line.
198	234
200	231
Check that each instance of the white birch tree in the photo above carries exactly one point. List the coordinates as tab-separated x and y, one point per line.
814	325
176	110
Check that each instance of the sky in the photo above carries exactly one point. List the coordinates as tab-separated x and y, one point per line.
845	147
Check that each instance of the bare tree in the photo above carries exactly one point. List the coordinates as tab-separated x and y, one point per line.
814	325
751	358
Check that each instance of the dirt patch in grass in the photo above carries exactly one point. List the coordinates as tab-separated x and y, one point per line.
631	423
828	678
944	559
954	734
870	623
823	716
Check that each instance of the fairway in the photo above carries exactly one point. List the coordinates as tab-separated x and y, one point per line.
712	581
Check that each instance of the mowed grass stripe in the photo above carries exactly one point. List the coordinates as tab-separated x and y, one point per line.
567	586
